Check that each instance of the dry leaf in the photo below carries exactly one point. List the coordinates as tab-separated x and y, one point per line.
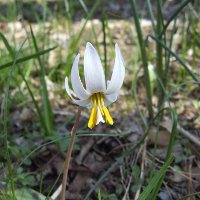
84	150
163	136
26	116
58	163
78	183
167	124
161	153
95	165
193	150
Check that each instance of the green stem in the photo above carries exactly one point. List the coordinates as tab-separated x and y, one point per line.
144	58
159	60
193	40
183	4
151	15
104	43
169	55
110	39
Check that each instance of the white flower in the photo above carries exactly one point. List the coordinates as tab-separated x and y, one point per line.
96	95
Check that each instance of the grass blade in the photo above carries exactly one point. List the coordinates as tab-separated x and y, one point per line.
7	46
93	27
154	181
5	123
73	46
47	106
183	4
113	166
35	55
32	96
175	55
36	105
124	155
170	146
144	58
88	17
189	195
68	137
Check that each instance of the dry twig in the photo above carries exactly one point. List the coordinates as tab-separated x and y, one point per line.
189	135
142	167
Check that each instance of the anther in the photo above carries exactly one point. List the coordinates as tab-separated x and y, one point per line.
107	116
93	118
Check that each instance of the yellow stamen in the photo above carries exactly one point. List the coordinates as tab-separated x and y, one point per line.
94	99
101	99
106	119
99	103
93	118
107	116
101	109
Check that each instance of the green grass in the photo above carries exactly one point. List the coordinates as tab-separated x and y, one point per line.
27	61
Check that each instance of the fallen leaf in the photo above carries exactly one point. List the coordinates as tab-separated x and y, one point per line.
26	116
161	153
78	183
167	124
163	136
84	150
193	150
94	165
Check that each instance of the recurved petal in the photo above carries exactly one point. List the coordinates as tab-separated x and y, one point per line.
118	73
82	102
108	99
76	81
94	74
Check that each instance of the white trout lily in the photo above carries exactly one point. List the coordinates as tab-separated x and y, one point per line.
96	95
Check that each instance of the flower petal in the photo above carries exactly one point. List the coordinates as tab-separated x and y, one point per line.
76	81
118	73
83	102
108	99
94	74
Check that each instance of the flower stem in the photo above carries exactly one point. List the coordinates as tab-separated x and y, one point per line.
69	152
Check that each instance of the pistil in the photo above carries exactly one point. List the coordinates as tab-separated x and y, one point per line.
96	116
